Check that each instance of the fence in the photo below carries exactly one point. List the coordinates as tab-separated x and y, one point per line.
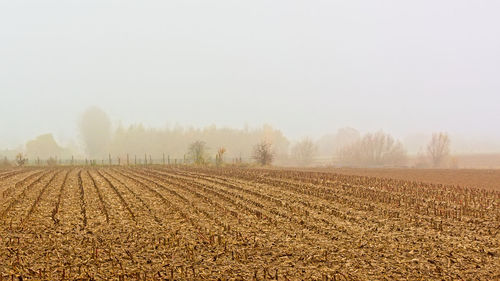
127	160
149	159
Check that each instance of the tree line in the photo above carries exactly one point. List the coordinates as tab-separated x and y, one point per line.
264	146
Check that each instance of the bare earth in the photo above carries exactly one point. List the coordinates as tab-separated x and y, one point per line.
487	179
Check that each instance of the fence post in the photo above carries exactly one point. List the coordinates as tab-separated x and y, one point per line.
127	160
163	159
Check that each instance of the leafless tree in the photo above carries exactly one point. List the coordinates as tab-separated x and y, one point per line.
20	159
377	149
330	144
263	154
438	148
175	141
197	152
303	152
219	157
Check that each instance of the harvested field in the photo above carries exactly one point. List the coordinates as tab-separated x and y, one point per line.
476	178
186	223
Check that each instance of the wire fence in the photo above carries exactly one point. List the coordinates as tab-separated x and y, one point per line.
127	160
149	159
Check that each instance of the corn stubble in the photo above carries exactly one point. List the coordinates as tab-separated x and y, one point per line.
187	223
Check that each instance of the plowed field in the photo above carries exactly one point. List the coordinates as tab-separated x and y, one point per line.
185	223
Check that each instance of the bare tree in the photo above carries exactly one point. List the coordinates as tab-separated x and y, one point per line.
377	149
219	157
303	152
332	143
197	152
438	148
263	154
20	160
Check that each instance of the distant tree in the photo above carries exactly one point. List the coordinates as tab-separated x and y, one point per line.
197	152
329	145
438	148
346	136
44	146
174	141
219	158
377	149
280	144
421	160
20	160
263	154
95	130
52	161
303	152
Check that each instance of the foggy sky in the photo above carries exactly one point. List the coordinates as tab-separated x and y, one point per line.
305	67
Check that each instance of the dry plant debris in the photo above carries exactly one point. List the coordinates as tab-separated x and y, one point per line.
187	223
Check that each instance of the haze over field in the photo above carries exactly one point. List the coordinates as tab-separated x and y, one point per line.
307	68
249	140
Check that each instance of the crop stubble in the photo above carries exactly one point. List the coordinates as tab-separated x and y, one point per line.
166	223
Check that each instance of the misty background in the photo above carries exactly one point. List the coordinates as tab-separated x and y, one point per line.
305	68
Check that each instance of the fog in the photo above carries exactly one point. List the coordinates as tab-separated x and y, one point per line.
305	68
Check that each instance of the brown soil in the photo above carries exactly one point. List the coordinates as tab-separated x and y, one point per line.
487	179
188	223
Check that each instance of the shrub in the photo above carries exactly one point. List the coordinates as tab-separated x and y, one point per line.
263	153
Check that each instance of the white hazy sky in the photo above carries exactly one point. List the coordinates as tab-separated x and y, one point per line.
306	67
